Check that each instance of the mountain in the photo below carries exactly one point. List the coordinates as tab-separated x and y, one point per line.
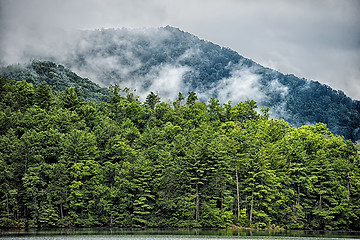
168	60
56	76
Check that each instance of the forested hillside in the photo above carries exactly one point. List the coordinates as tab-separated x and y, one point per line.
168	60
56	76
66	162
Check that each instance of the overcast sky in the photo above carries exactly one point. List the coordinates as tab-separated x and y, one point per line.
318	40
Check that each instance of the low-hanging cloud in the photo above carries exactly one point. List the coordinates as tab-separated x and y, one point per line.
314	39
242	85
169	81
245	84
276	87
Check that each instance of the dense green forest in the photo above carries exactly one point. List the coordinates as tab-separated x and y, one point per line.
167	60
56	76
67	162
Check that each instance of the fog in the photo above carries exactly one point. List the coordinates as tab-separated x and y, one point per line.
319	40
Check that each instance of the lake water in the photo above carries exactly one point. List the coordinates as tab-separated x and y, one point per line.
171	234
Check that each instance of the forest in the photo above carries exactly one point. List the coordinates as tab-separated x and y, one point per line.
70	162
148	59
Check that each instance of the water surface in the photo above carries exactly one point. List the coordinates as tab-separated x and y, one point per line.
171	234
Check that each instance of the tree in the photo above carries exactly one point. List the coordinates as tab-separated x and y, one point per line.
43	95
151	100
79	146
191	99
70	98
118	150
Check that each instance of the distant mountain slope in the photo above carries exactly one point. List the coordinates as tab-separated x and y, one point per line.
57	76
168	60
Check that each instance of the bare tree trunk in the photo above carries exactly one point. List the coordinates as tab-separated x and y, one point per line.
237	193
61	211
222	203
197	203
348	187
251	206
7	205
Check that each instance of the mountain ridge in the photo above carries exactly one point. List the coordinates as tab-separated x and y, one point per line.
55	75
168	60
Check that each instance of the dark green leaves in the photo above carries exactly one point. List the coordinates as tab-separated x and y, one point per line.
66	162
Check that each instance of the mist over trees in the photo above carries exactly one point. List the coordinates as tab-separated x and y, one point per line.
67	162
188	148
168	60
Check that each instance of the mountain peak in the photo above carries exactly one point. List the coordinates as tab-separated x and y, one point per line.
169	60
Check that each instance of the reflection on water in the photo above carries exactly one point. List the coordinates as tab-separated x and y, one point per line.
169	234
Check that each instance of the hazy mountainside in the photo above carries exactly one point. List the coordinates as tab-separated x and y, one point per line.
56	76
168	60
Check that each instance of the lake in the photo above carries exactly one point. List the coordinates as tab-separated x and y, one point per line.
170	234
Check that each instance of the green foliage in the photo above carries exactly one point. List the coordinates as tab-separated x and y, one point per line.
43	74
135	56
70	163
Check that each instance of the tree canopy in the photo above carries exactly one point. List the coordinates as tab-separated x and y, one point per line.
66	162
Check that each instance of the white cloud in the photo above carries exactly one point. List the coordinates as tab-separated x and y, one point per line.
169	81
276	87
319	40
242	85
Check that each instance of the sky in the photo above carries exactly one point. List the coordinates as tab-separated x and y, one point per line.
317	40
